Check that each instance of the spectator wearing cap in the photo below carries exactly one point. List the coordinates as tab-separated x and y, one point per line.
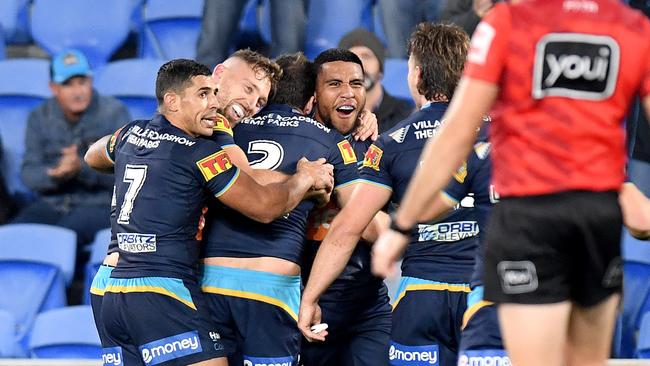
388	109
58	134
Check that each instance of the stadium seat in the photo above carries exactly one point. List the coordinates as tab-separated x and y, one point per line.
95	27
2	43
14	19
8	346
636	285
643	347
68	332
133	82
36	261
395	78
329	20
24	86
171	29
99	246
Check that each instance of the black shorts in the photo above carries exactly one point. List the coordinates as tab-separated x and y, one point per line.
551	248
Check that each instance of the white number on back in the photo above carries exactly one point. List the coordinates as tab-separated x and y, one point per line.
272	152
134	175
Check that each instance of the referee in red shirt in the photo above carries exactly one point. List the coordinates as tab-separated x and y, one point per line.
560	76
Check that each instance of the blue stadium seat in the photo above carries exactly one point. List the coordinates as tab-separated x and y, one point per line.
8	345
24	86
636	302
14	19
395	78
171	29
98	249
329	20
36	261
2	43
133	82
95	27
68	332
643	347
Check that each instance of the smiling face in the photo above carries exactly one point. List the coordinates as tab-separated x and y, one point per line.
243	90
196	106
340	95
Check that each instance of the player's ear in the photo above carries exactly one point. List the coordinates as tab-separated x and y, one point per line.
217	73
171	101
309	106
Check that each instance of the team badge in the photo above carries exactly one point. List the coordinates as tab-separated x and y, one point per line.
373	157
347	152
113	141
222	125
461	173
213	165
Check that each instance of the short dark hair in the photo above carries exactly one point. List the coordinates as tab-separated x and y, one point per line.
176	75
333	55
261	64
440	51
297	83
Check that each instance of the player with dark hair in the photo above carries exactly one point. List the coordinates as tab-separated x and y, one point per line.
153	310
356	307
439	262
561	76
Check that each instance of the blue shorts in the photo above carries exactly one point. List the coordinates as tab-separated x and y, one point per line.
480	342
427	317
158	320
257	313
97	289
358	333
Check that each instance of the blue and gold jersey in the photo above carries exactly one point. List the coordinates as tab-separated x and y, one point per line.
163	178
276	139
356	281
442	250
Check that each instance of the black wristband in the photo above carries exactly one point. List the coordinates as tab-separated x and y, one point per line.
393	226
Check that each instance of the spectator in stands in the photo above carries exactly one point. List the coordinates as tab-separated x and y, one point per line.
388	109
6	203
220	24
399	18
58	134
466	13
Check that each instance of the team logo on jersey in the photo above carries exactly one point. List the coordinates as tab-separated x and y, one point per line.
347	152
221	124
400	134
373	157
461	173
575	65
113	141
213	165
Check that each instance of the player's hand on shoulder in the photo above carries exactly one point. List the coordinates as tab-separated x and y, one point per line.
368	126
321	172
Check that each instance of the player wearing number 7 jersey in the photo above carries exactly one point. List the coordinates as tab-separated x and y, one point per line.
153	310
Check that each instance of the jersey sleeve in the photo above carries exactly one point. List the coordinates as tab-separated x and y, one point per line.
344	160
222	132
473	176
115	140
488	49
214	169
376	166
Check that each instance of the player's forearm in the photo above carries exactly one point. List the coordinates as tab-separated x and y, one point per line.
280	198
96	157
379	223
333	255
263	176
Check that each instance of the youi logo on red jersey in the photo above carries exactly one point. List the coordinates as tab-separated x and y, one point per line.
575	65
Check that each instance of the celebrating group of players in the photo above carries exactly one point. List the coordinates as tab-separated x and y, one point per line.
255	180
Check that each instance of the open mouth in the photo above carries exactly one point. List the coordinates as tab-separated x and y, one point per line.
208	122
238	111
345	110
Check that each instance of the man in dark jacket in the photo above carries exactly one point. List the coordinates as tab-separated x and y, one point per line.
388	109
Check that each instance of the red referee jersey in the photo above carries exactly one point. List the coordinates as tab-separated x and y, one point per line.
567	71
